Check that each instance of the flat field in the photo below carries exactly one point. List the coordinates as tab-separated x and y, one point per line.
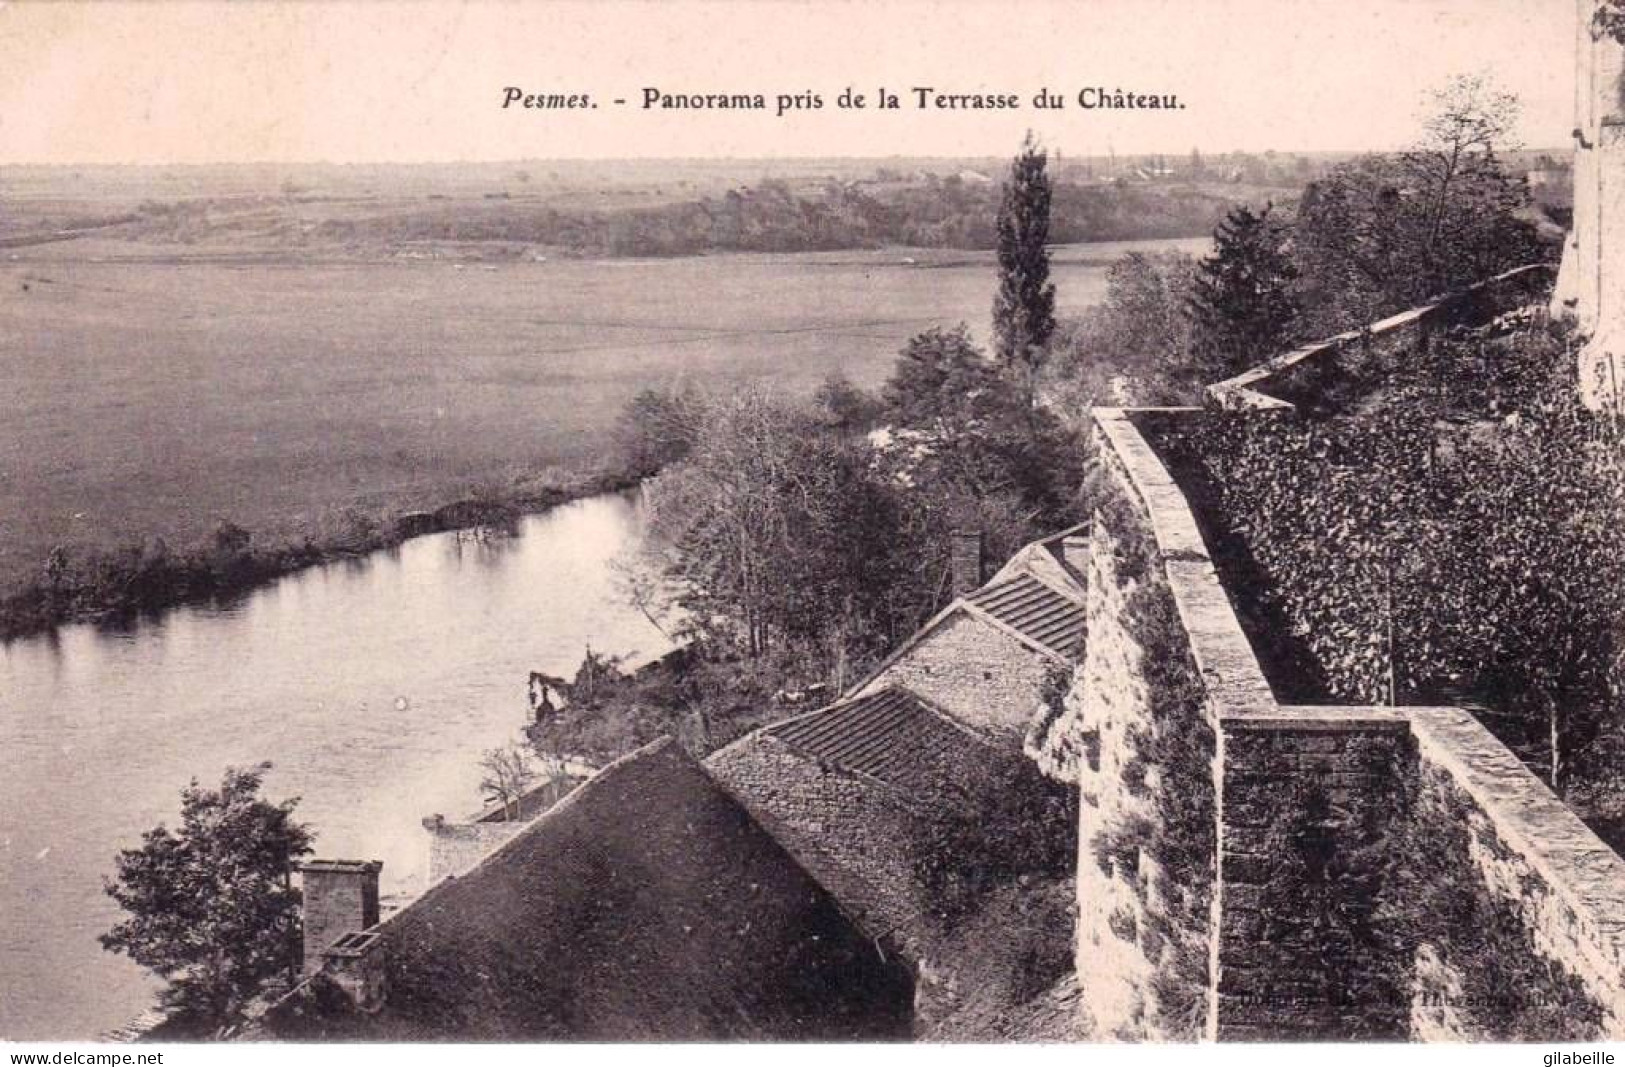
152	390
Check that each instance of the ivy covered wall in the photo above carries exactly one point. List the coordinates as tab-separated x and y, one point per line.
1376	872
1147	815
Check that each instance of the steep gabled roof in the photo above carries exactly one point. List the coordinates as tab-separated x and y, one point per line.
1036	610
647	905
891	735
1047	610
1046	560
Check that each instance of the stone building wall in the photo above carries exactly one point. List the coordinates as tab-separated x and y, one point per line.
455	847
849	833
976	672
1587	288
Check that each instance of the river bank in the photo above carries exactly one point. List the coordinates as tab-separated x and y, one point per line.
373	685
116	587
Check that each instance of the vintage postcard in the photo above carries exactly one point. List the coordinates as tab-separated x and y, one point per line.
933	521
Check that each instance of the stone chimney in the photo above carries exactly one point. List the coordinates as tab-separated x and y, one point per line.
356	964
341	897
1075	553
965	560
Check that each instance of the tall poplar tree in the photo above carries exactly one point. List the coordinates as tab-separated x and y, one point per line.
1024	307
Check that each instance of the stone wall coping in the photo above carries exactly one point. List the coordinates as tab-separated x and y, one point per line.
1241	390
1223	654
1577	867
1316	717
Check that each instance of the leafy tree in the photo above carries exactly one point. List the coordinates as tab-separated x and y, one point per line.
1609	18
1011	825
1240	303
1024	306
969	435
845	407
656	428
1384	233
1468	118
1135	346
942	380
778	530
211	906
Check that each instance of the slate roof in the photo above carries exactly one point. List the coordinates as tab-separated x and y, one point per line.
648	905
891	735
1034	609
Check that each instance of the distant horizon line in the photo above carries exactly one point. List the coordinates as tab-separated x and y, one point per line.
1177	153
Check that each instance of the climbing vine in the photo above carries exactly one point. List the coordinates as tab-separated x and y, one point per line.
1168	763
1459	540
1501	987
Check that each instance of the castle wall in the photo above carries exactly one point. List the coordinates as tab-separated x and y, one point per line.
1309	818
1519	907
1148	798
1586	287
1381	872
1300	376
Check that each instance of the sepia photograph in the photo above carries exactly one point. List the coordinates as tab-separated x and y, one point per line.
1081	522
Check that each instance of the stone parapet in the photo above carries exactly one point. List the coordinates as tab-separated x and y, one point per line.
1310	789
1251	390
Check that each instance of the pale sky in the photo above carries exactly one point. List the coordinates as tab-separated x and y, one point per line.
423	81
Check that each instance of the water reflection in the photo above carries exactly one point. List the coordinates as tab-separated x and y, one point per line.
373	684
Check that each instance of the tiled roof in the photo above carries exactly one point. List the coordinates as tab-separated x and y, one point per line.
1029	606
888	735
647	905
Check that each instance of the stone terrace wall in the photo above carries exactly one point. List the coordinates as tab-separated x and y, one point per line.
1460	899
1148	793
1534	945
1317	370
1309	811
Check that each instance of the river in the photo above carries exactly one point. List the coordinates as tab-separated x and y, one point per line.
372	685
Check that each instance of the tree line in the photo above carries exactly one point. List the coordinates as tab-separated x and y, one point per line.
1374	236
773	216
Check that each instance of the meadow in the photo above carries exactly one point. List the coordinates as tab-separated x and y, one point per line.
153	390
